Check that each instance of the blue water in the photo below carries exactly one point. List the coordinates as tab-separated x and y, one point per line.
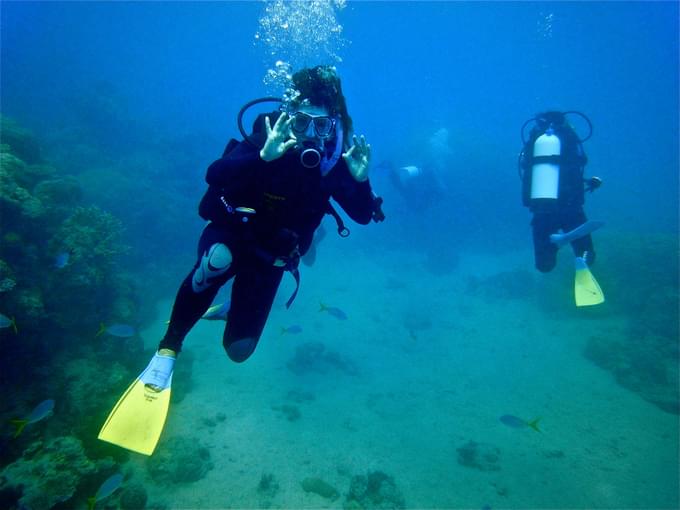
449	326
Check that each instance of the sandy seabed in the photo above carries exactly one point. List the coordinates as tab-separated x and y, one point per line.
433	367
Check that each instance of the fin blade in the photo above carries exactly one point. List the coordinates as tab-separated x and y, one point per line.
587	291
137	419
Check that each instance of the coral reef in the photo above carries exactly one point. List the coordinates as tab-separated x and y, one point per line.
85	390
41	219
50	472
59	279
19	140
375	490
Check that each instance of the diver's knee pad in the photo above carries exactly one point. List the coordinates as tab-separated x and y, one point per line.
241	349
214	264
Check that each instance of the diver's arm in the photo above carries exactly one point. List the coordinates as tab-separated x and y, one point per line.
355	198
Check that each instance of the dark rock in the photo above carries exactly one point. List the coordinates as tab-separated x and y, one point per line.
292	413
300	396
320	487
179	460
482	456
133	496
518	284
376	490
313	357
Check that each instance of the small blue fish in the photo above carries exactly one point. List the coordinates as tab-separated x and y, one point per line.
6	322
519	423
217	312
334	311
109	486
293	330
41	411
119	330
61	260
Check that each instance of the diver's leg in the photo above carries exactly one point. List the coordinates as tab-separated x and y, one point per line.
252	296
583	244
199	288
545	251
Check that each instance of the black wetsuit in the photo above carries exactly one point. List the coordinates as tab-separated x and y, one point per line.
289	202
565	212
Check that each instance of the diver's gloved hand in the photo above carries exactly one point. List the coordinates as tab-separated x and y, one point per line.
358	158
279	139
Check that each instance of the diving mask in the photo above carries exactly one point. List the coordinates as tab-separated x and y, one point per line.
310	126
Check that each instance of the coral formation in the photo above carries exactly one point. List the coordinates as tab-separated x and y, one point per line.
50	472
19	140
59	278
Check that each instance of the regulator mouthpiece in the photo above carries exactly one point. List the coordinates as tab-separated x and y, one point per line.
310	158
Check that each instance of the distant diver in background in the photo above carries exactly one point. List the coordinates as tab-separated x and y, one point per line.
266	197
418	185
551	168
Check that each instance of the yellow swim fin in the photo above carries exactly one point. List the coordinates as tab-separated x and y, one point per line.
587	291
137	420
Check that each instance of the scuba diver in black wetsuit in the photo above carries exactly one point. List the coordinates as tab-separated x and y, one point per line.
418	185
551	166
267	195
